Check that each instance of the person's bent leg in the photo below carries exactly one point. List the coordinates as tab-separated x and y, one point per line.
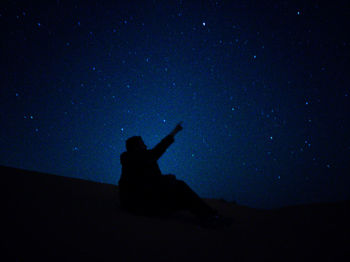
188	199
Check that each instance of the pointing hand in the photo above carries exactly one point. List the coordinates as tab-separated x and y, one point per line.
177	129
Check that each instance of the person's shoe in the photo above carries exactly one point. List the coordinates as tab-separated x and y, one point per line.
214	222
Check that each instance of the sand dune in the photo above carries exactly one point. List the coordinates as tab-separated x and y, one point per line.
55	218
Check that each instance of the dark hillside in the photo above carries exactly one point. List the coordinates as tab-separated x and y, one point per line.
55	218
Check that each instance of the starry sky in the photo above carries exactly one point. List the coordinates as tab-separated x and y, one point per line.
261	87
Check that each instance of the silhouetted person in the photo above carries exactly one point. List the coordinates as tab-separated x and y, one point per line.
143	188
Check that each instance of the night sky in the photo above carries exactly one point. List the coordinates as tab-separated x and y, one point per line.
262	88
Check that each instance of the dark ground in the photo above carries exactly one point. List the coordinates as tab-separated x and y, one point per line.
55	218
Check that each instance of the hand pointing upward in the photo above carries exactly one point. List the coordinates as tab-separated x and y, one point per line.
177	129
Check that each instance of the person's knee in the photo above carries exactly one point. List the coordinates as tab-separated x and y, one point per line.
181	183
182	186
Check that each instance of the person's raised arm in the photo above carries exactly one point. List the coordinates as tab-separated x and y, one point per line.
160	148
177	129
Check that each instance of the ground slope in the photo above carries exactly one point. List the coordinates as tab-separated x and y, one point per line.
55	218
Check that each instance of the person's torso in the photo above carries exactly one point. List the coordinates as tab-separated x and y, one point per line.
138	167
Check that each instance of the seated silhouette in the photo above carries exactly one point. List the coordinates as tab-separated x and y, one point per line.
145	190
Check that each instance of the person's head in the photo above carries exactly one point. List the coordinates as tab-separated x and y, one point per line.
135	144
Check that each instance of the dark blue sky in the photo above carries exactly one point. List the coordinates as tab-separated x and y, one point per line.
262	88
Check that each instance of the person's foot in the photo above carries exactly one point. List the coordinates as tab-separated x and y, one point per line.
214	222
